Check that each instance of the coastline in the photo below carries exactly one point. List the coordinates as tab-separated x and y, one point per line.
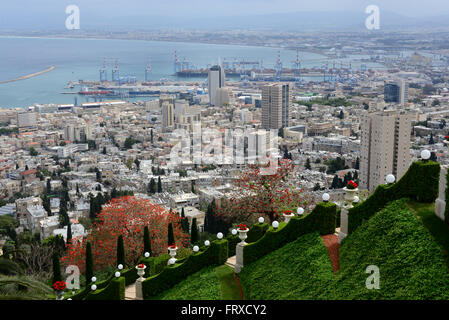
28	76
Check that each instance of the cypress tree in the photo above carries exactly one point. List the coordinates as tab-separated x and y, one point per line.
56	267
120	251
69	233
170	235
89	264
194	232
159	185
184	222
146	240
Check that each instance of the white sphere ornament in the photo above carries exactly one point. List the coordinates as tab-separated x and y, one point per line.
196	249
147	254
326	197
172	261
234	232
220	235
275	224
425	154
207	243
261	220
390	178
117	274
94	287
300	211
94	279
120	266
356	199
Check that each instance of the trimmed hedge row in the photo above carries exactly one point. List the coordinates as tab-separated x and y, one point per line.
115	290
322	219
100	285
419	183
215	254
256	232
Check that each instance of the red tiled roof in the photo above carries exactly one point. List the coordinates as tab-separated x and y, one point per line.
27	172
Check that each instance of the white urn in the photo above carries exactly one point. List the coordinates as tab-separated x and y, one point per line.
350	194
243	234
141	271
288	216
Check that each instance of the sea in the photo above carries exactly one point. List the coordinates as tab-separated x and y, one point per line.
82	59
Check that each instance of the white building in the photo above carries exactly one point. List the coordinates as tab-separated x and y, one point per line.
216	79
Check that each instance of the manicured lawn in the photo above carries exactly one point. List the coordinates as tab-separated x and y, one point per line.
203	285
299	270
436	226
228	284
409	259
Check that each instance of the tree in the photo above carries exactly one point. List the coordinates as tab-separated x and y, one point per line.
104	150
335	182
56	268
341	115
151	134
194	233
126	216
357	164
146	240
152	186
120	251
317	187
137	162
159	185
307	165
69	232
170	235
431	140
89	263
258	194
33	152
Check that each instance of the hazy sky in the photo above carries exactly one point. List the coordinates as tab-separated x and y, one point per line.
412	8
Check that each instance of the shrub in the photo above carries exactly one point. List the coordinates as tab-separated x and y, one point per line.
446	213
194	232
215	254
115	290
419	183
120	251
256	232
56	268
322	219
146	240
170	235
89	264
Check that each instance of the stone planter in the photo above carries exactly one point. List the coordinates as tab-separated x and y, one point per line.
172	251
243	235
350	194
141	272
288	217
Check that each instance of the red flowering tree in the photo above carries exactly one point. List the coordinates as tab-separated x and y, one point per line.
263	195
126	216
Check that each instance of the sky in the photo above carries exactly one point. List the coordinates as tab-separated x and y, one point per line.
42	12
411	8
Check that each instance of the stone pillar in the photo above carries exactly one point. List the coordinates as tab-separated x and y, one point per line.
239	257
139	293
347	204
440	204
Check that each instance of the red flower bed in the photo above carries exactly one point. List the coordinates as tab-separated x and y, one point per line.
59	286
352	185
243	227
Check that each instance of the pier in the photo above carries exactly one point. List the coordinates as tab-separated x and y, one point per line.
29	75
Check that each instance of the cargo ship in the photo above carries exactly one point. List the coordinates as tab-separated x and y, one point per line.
87	92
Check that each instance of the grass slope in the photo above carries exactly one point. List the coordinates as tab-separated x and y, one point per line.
437	227
298	270
410	263
211	283
203	285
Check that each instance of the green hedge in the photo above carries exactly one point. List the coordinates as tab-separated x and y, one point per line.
115	290
322	219
232	244
100	285
256	232
215	254
419	183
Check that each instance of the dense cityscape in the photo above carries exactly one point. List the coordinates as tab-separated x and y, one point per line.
192	161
